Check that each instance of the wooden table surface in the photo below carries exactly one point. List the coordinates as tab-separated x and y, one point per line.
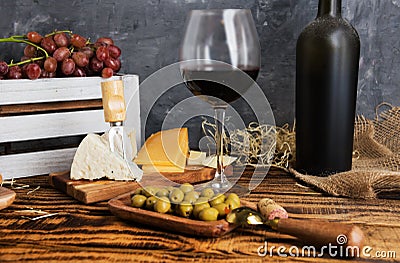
90	233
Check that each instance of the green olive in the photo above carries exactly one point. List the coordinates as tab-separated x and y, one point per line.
150	202
231	204
162	205
199	207
162	192
220	198
170	188
207	192
176	196
184	209
138	191
186	188
191	197
234	197
149	191
138	200
222	208
201	199
208	214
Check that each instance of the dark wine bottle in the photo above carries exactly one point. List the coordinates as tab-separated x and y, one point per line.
327	61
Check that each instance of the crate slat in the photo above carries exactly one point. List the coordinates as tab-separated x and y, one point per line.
50	90
7	110
39	126
21	165
57	89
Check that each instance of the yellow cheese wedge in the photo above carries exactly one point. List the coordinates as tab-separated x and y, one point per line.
148	168
165	148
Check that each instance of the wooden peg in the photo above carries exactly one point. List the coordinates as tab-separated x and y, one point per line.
113	100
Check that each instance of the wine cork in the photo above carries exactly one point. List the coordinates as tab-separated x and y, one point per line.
113	101
271	210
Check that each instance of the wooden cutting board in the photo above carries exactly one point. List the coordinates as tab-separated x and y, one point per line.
7	197
93	191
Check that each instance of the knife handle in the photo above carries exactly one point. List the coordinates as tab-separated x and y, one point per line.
322	233
113	101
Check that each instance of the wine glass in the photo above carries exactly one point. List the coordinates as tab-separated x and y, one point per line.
218	46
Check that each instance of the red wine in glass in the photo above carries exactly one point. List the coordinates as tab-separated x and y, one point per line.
199	82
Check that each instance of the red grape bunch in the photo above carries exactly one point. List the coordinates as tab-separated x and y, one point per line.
62	54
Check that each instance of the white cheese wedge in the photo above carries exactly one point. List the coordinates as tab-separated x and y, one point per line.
211	161
94	160
196	158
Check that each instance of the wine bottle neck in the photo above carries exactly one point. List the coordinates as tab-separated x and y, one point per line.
330	7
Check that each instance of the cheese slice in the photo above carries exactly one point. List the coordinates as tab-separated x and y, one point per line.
148	168
165	148
94	160
211	161
196	158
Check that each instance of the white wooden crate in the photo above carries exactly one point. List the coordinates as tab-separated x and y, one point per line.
69	122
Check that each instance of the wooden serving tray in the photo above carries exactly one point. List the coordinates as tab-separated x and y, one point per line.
94	191
121	207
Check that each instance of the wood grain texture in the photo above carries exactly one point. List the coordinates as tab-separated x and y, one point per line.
88	233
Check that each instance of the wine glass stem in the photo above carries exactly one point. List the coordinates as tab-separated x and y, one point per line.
219	138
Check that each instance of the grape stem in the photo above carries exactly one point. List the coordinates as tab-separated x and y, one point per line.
21	39
59	31
25	61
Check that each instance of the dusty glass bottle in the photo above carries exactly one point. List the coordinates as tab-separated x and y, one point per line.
327	61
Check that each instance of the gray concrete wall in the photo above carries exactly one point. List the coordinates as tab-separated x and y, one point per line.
149	33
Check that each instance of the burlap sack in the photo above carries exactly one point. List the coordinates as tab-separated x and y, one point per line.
376	159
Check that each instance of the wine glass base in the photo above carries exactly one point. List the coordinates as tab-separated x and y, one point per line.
227	187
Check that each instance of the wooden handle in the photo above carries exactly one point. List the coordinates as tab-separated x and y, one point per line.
113	100
322	233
